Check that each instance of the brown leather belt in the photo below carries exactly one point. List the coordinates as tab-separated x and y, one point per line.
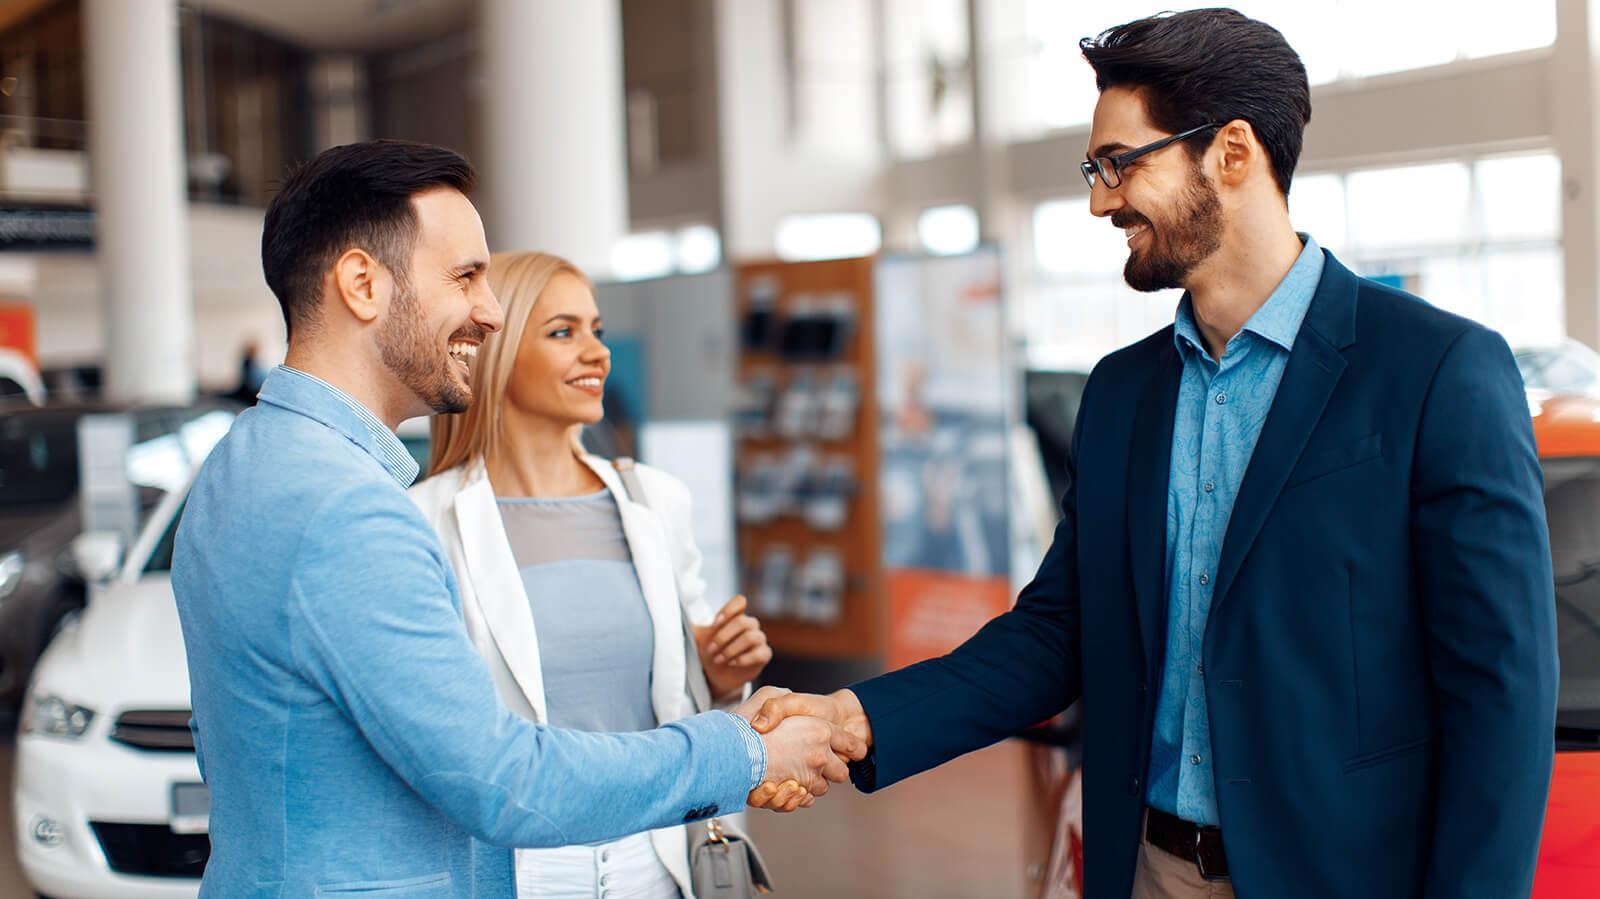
1188	841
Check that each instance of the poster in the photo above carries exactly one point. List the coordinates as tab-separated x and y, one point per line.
945	395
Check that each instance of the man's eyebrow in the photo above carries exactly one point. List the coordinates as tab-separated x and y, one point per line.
1109	149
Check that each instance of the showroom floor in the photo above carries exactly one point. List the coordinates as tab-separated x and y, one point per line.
957	832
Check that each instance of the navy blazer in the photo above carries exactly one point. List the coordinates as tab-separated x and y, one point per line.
1380	656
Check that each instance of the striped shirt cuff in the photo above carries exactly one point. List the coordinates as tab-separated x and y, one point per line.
756	748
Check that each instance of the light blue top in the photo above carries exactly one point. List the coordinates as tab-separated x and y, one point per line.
1221	407
596	639
348	728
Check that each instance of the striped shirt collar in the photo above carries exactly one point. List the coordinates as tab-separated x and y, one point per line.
315	398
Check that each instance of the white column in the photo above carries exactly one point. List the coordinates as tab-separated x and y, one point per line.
137	171
1574	88
552	175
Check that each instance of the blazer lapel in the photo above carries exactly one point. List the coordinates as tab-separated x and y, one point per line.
1149	473
647	543
497	587
1313	371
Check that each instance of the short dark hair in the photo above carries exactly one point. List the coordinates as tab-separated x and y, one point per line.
1210	65
353	196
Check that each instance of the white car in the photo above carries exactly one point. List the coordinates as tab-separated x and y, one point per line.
108	798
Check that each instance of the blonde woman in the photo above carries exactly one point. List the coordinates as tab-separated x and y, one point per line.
572	591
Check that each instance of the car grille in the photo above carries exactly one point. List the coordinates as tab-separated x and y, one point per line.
155	730
152	850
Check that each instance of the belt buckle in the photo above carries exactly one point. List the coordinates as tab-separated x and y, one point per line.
1200	859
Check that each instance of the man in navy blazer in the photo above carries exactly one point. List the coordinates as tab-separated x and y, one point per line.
1302	580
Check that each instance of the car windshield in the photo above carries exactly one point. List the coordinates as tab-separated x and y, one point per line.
1572	504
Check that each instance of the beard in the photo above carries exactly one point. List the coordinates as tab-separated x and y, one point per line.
1193	234
411	356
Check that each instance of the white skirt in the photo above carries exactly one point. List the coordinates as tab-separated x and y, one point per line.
625	869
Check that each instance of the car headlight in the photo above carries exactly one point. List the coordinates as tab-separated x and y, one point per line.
53	716
11	566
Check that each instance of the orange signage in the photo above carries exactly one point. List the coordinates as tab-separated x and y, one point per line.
16	330
933	612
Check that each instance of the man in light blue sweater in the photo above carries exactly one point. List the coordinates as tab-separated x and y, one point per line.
351	737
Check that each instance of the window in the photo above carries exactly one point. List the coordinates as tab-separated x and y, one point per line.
1478	237
655	254
928	72
1572	491
948	230
834	235
646	254
1041	83
830	68
161	556
698	249
1077	307
1481	238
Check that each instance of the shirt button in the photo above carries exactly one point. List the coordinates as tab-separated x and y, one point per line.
605	857
1204	578
1211	486
1222	398
1194	759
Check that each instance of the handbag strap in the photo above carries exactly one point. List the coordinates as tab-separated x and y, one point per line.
694	674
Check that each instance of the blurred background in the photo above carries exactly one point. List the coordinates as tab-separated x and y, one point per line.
844	251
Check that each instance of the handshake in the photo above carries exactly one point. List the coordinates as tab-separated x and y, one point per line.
810	741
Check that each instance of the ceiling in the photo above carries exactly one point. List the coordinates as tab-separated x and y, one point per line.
346	25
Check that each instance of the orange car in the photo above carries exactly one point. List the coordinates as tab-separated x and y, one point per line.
1567	429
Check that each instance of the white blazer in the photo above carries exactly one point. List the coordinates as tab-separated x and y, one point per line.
460	504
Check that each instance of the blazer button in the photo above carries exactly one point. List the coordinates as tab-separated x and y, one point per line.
1134	787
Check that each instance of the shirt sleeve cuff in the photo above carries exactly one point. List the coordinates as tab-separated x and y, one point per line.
756	748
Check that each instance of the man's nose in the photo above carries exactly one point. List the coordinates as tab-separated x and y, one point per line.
1103	200
488	313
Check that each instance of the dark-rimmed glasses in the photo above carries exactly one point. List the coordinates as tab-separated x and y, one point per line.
1109	168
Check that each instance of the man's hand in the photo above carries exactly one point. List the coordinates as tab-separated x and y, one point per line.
840	708
803	755
771	707
733	648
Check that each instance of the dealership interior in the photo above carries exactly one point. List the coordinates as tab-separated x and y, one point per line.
852	290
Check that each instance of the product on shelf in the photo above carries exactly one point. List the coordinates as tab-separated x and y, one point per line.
772	594
836	416
819	587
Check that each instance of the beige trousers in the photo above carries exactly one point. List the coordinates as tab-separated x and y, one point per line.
1162	875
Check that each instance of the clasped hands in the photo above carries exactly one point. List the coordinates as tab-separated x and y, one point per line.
810	741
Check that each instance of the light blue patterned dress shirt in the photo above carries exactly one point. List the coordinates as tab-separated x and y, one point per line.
1221	407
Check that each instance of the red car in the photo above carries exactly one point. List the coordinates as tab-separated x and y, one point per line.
1567	429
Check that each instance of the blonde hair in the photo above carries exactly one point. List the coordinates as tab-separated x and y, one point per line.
518	280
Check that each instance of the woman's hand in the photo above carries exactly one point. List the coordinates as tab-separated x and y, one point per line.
733	649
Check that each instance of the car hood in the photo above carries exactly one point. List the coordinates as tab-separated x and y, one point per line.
125	651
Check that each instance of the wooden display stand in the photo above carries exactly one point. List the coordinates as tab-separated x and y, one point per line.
858	630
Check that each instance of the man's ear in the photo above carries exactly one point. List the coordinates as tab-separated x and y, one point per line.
361	284
1239	151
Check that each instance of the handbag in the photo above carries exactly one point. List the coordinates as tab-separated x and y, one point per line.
724	862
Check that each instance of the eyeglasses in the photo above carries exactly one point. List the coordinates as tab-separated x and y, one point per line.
1109	168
